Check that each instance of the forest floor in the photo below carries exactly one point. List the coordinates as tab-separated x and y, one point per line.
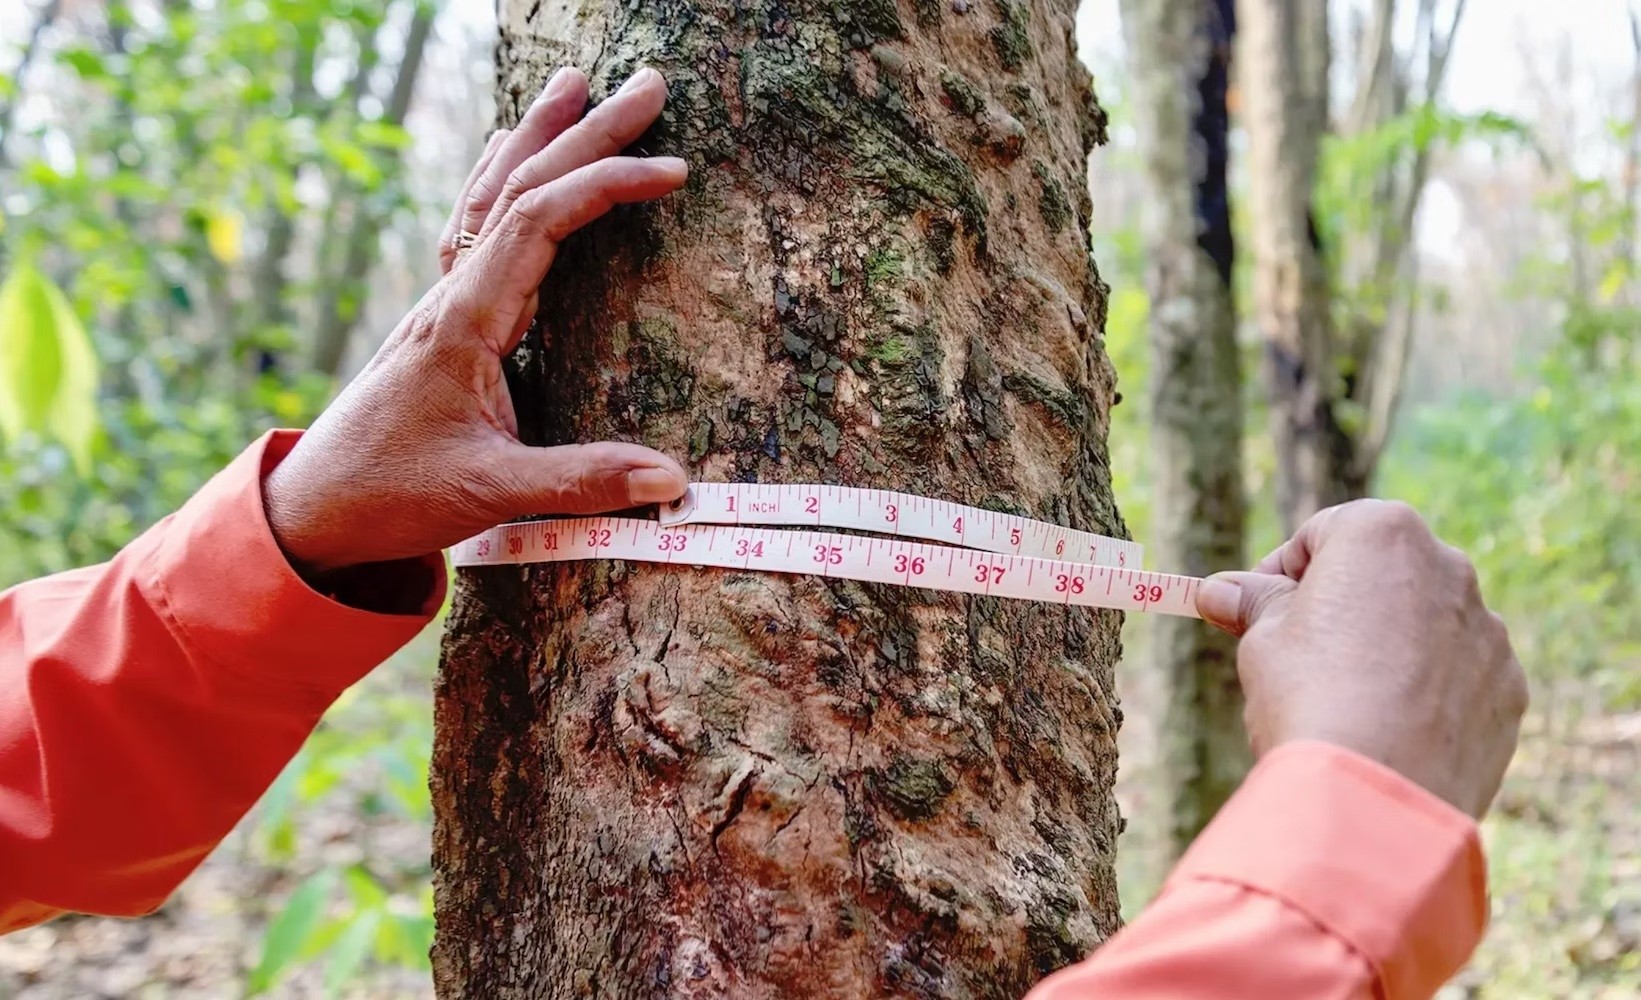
1564	845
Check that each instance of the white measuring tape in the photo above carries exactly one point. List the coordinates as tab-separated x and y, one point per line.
963	549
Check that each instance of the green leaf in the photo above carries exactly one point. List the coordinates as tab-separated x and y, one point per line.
74	415
364	890
30	363
289	931
405	940
350	949
48	371
382	134
86	62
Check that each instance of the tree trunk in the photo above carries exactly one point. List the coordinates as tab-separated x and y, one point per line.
671	782
1335	381
1283	64
1180	54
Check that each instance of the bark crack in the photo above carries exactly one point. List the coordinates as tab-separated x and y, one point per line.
755	752
742	781
784	824
683	845
660	656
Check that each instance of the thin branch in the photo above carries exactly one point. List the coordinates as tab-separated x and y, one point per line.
1390	379
1382	359
1384	375
337	317
340	192
1377	66
1441	50
268	280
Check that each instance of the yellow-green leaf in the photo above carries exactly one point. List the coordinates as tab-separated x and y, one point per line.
1613	281
48	370
225	235
73	420
29	360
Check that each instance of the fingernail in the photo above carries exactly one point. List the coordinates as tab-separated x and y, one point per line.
637	80
555	86
1220	602
654	485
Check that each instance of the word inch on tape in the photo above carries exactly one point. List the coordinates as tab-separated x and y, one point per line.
903	514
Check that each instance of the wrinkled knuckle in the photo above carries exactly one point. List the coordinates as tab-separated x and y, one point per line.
483	193
1251	608
1397	523
1400	516
609	491
549	218
529	212
518	182
591	132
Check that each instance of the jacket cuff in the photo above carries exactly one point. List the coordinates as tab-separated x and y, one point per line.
231	594
1374	859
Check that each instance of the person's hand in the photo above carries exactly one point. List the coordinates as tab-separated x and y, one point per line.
422	449
1365	631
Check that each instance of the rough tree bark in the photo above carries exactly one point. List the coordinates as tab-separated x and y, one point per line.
1180	53
667	782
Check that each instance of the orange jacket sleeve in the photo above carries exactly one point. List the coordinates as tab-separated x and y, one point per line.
145	704
1326	877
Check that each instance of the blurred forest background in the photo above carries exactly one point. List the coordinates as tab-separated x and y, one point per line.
212	210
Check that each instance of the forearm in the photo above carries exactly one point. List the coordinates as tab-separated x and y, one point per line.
147	703
1326	877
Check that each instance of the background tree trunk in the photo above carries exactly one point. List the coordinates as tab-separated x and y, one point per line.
1180	54
672	782
1285	99
1337	341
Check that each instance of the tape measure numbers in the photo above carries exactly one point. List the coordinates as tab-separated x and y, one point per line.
958	548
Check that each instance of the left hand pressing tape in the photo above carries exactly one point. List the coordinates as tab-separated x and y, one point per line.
957	548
